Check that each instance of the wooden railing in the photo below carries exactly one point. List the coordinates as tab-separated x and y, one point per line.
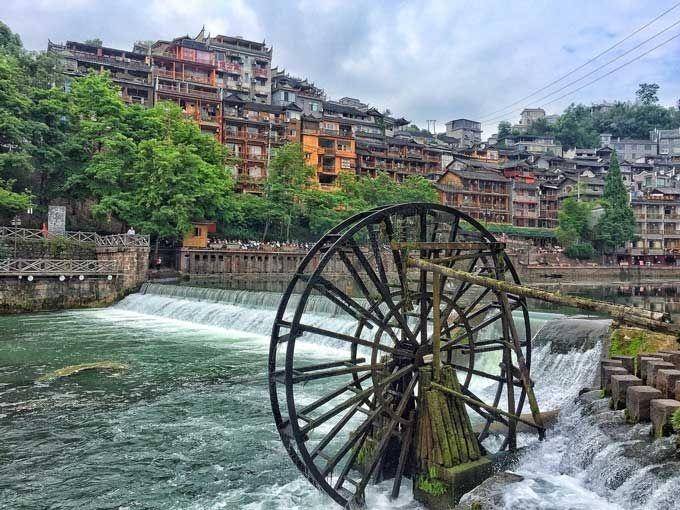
117	240
58	267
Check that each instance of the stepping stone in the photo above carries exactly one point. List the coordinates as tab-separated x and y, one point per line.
673	357
640	356
608	372
608	363
619	386
653	367
638	399
661	411
644	361
666	379
627	361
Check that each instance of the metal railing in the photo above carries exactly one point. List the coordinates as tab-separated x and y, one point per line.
117	240
125	240
58	267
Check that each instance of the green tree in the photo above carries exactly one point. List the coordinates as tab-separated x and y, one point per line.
617	224
575	128
287	176
151	168
94	42
647	93
11	202
573	222
10	42
504	131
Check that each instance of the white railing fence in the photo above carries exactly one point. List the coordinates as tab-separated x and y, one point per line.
114	240
58	267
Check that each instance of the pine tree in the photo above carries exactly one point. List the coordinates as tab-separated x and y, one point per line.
617	225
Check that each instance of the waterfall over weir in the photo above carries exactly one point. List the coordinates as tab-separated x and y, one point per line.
559	376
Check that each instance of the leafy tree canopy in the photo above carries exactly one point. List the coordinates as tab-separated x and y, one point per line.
647	93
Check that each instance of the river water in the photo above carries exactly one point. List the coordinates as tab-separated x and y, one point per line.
188	424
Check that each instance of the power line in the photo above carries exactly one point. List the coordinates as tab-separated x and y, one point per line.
609	72
673	25
587	62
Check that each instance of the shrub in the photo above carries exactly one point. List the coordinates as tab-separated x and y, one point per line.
430	484
580	251
675	420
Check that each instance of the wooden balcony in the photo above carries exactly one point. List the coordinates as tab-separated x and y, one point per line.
187	91
260	72
230	67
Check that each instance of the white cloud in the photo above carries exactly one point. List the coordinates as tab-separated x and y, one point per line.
422	59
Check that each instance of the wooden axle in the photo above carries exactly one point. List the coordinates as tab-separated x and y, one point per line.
625	314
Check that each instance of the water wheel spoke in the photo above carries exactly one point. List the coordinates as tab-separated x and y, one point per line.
383	291
338	297
306	328
376	457
312	424
333	461
303	376
403	457
377	256
335	430
374	304
396	256
333	394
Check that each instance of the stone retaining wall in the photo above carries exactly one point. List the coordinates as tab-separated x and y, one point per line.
48	293
543	274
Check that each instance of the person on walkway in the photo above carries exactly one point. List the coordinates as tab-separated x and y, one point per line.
131	231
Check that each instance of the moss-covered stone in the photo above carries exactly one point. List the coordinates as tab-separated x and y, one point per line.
107	366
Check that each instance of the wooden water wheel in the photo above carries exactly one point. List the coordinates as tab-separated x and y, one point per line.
350	416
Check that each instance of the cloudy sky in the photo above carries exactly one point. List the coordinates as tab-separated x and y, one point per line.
423	60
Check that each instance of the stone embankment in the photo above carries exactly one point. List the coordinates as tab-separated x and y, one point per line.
31	285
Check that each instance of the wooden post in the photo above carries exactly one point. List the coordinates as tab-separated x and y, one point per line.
436	327
625	314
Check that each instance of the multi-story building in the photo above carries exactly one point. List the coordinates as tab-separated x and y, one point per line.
185	72
469	132
329	146
243	66
535	144
668	141
128	69
629	149
252	131
528	117
287	89
525	204
485	195
549	204
398	156
657	217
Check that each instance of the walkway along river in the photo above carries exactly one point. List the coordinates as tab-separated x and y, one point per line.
187	424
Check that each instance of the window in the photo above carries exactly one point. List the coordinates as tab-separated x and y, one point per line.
314	106
197	232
